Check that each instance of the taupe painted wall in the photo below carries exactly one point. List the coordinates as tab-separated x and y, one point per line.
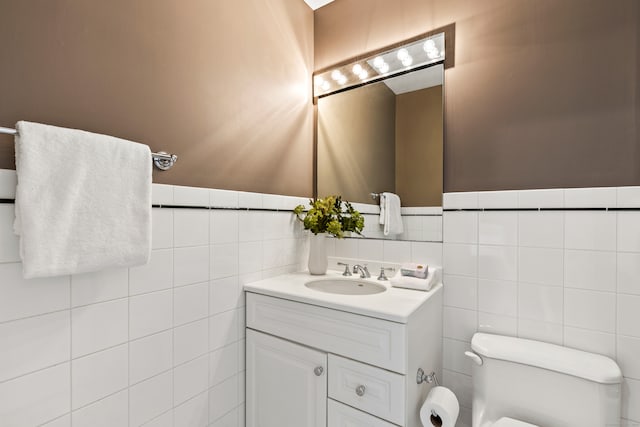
419	147
225	84
638	73
543	94
356	143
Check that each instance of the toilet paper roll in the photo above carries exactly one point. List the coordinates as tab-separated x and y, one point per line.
440	408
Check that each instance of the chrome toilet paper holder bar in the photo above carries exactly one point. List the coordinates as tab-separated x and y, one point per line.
422	377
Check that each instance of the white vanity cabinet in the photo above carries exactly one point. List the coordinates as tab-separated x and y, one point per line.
309	365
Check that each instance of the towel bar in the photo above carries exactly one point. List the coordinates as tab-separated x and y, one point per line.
162	160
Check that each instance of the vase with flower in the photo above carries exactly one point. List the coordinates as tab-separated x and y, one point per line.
327	216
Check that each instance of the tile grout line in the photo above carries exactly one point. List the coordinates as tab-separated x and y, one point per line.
477	270
564	276
128	346
71	350
86	405
212	238
111	347
36	371
173	316
518	271
615	344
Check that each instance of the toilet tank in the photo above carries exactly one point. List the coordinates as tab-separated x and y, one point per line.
543	384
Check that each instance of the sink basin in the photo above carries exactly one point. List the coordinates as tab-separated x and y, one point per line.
345	287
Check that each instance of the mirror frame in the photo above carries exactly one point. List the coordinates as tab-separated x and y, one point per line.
448	62
448	32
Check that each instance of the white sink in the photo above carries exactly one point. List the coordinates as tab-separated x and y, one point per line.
345	287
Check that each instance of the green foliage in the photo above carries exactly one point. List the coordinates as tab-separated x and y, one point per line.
327	216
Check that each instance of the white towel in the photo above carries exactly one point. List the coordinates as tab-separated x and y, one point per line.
408	282
83	201
392	214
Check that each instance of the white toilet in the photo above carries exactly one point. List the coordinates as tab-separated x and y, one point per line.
525	383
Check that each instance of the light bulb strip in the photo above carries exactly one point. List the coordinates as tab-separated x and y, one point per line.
417	54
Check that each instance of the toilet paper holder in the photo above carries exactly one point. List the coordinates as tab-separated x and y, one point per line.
422	377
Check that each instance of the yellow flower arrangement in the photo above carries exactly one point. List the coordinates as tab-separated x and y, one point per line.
327	216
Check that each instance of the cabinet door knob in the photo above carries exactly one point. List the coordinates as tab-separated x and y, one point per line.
318	370
360	390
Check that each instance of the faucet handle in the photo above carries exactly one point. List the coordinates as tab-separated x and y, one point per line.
383	276
346	269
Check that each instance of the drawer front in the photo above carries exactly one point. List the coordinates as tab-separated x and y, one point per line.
371	389
345	416
374	341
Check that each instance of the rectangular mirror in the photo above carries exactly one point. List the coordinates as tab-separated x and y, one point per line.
386	136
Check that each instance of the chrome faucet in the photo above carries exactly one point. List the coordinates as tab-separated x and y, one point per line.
362	269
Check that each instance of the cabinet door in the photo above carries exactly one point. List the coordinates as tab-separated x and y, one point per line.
286	383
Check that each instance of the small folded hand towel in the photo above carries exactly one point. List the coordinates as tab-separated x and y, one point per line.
408	282
392	214
83	201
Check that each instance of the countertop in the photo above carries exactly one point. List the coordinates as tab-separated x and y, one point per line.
394	304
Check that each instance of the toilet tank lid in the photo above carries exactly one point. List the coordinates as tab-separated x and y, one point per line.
582	364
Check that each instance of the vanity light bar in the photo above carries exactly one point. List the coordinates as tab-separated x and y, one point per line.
418	54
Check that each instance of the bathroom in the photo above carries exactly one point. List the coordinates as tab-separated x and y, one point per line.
540	168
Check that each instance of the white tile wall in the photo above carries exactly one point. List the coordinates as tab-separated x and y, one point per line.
382	253
155	345
97	287
23	298
602	197
110	411
628	197
98	326
190	341
98	375
190	379
194	412
465	200
497	199
460	227
541	199
461	291
570	277
150	356
190	196
494	296
27	337
63	421
150	398
176	327
34	399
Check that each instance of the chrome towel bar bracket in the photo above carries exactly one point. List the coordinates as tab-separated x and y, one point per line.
164	161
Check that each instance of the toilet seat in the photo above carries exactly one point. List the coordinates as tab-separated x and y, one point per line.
510	422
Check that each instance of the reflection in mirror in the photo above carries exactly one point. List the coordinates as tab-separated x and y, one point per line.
386	136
